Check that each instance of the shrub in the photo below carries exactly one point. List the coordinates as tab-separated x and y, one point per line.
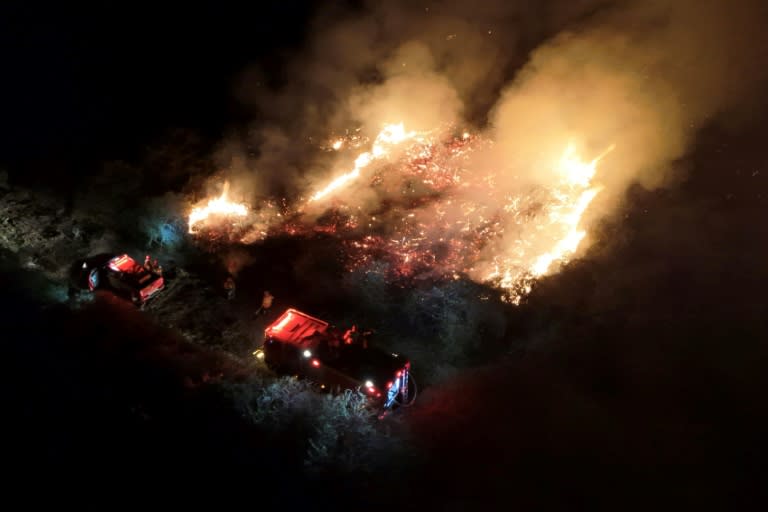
445	326
161	222
368	286
340	433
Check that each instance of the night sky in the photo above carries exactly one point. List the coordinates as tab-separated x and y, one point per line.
83	85
634	378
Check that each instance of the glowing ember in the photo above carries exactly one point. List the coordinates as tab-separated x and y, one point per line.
441	233
390	135
218	206
442	219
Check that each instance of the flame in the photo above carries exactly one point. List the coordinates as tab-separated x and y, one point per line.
390	135
466	232
218	206
578	174
575	171
572	198
572	238
455	222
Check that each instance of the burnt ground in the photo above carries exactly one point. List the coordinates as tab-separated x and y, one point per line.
633	378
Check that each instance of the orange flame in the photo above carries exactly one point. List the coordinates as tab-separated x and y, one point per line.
218	206
573	236
390	135
468	229
573	198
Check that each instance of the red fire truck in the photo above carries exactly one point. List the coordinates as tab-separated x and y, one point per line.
123	275
299	344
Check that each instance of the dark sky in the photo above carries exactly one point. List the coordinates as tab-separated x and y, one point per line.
85	84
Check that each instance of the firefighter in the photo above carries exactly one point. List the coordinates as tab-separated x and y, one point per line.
229	287
350	336
364	337
266	303
147	263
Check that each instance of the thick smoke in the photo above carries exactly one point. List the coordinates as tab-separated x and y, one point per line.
382	63
641	77
644	78
413	92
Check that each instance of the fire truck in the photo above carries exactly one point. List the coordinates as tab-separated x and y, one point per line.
299	344
124	276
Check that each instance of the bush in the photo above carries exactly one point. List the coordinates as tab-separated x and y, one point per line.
344	436
161	222
443	327
340	433
369	288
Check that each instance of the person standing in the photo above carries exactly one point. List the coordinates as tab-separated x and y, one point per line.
351	335
229	287
266	304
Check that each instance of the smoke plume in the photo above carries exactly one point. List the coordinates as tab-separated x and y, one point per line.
644	77
639	77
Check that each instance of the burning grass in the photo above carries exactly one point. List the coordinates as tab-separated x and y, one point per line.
431	214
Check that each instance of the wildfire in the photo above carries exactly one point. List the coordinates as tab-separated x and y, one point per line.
572	238
390	135
560	225
447	232
578	174
218	206
442	219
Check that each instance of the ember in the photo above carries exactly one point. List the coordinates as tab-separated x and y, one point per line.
441	220
390	135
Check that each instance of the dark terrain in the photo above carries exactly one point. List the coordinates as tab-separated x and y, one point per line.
637	371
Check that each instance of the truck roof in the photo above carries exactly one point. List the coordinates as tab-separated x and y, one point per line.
293	326
123	263
131	272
